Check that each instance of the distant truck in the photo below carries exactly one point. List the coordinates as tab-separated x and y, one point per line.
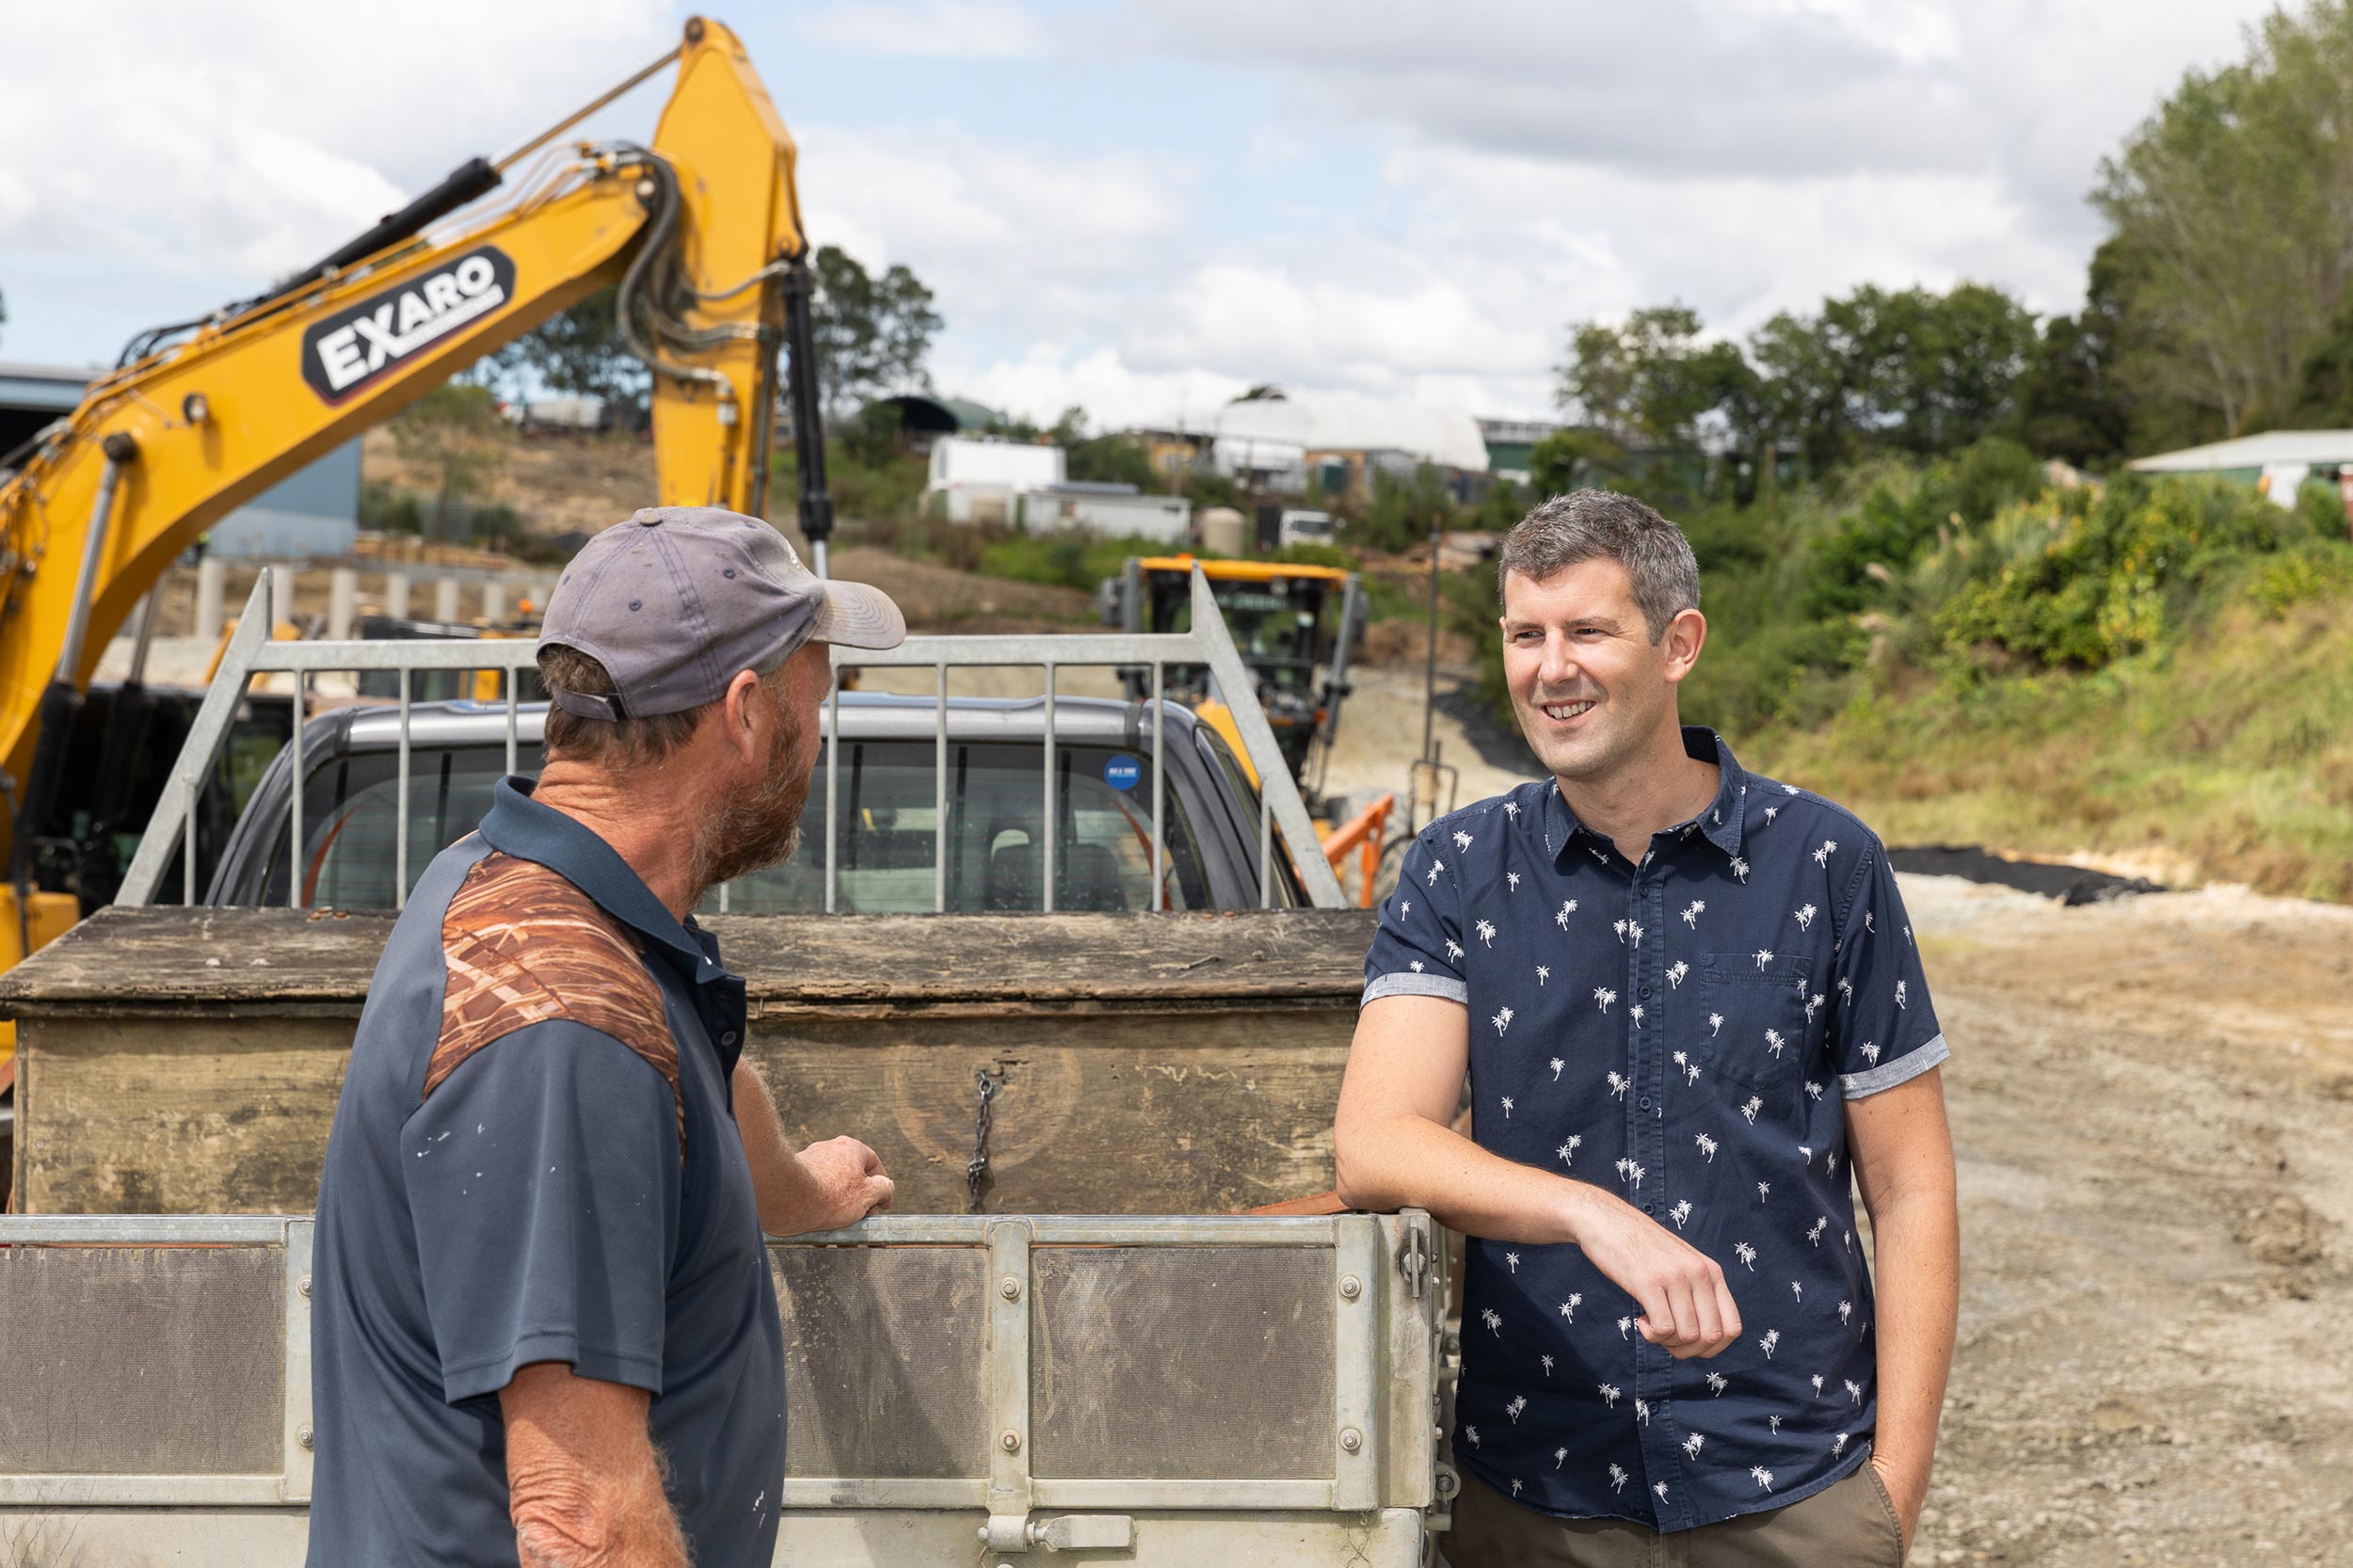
1275	525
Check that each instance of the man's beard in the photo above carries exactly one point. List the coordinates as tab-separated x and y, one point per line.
757	828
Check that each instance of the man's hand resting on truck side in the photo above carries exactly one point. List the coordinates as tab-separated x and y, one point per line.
849	1182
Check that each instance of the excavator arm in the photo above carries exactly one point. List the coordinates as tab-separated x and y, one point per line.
701	230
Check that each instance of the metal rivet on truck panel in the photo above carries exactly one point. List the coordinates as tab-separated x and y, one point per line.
1351	1287
1010	1289
1010	1441
1351	1439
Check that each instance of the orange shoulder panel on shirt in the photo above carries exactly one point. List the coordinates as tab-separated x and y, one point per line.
523	946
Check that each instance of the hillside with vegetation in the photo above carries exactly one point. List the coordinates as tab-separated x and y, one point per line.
2153	672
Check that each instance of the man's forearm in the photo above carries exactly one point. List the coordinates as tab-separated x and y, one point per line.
1917	1242
1403	1161
789	1197
583	1479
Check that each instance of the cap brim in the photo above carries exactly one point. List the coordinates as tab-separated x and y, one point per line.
852	615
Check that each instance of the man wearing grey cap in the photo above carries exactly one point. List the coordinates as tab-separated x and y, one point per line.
543	1329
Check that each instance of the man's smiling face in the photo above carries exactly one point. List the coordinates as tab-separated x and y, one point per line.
1591	688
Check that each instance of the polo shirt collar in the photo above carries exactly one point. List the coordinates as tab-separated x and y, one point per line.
520	827
1720	824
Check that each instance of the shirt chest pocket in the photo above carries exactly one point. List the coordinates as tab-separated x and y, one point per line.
1757	1013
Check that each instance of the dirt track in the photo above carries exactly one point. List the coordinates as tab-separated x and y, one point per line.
2153	1101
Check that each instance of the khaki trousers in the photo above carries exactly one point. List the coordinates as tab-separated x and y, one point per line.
1849	1524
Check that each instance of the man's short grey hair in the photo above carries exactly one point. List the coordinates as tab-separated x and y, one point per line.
1592	525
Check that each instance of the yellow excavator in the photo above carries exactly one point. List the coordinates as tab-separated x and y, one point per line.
700	231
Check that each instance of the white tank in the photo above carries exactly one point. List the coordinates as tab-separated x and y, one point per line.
1222	531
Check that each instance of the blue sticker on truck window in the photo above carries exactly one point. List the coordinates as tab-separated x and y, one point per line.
1122	772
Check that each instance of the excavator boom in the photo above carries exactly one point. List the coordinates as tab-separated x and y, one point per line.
701	230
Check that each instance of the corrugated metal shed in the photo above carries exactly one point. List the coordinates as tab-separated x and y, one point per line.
2272	449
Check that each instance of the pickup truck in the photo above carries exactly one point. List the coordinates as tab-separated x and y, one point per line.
1071	1338
885	824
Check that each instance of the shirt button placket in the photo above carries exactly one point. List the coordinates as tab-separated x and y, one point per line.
1653	1368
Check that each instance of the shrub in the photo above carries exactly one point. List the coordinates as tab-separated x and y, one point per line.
2086	584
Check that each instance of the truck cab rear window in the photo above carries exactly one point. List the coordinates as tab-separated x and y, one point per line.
886	830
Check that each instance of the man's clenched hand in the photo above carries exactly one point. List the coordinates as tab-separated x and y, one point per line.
849	1180
1687	1306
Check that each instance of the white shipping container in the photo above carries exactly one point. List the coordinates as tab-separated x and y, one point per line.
979	481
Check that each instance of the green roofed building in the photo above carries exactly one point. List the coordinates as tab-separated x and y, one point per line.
2276	461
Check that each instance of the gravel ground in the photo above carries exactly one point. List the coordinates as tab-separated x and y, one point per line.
2153	1102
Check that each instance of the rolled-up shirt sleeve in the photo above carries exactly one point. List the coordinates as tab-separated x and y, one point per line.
543	1180
1417	951
1883	1028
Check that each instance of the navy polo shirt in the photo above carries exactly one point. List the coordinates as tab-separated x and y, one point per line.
534	1158
1684	1032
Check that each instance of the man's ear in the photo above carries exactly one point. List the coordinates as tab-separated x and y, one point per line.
1686	635
736	712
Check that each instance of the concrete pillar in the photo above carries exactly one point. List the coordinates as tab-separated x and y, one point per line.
493	600
212	580
343	591
281	593
397	595
445	601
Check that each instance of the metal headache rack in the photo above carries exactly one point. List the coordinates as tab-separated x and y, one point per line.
1171	1389
252	652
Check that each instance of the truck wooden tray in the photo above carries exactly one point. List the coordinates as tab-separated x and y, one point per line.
178	1061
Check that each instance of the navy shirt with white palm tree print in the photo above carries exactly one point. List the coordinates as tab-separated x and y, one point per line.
1683	1033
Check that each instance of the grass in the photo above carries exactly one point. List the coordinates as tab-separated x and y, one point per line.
2233	747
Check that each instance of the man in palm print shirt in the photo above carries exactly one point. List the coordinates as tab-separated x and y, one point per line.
1690	1004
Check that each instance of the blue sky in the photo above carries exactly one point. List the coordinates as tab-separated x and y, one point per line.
1142	209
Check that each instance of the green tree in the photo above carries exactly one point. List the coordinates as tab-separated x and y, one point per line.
1574	459
1110	458
873	333
1798	398
1650	382
2324	390
1923	372
2235	199
2070	404
458	435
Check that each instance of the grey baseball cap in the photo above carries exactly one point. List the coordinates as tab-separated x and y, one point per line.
678	600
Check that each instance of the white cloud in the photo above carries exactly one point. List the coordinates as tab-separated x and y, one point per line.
1040	384
249	138
1469	179
949	29
1020	246
1548	163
